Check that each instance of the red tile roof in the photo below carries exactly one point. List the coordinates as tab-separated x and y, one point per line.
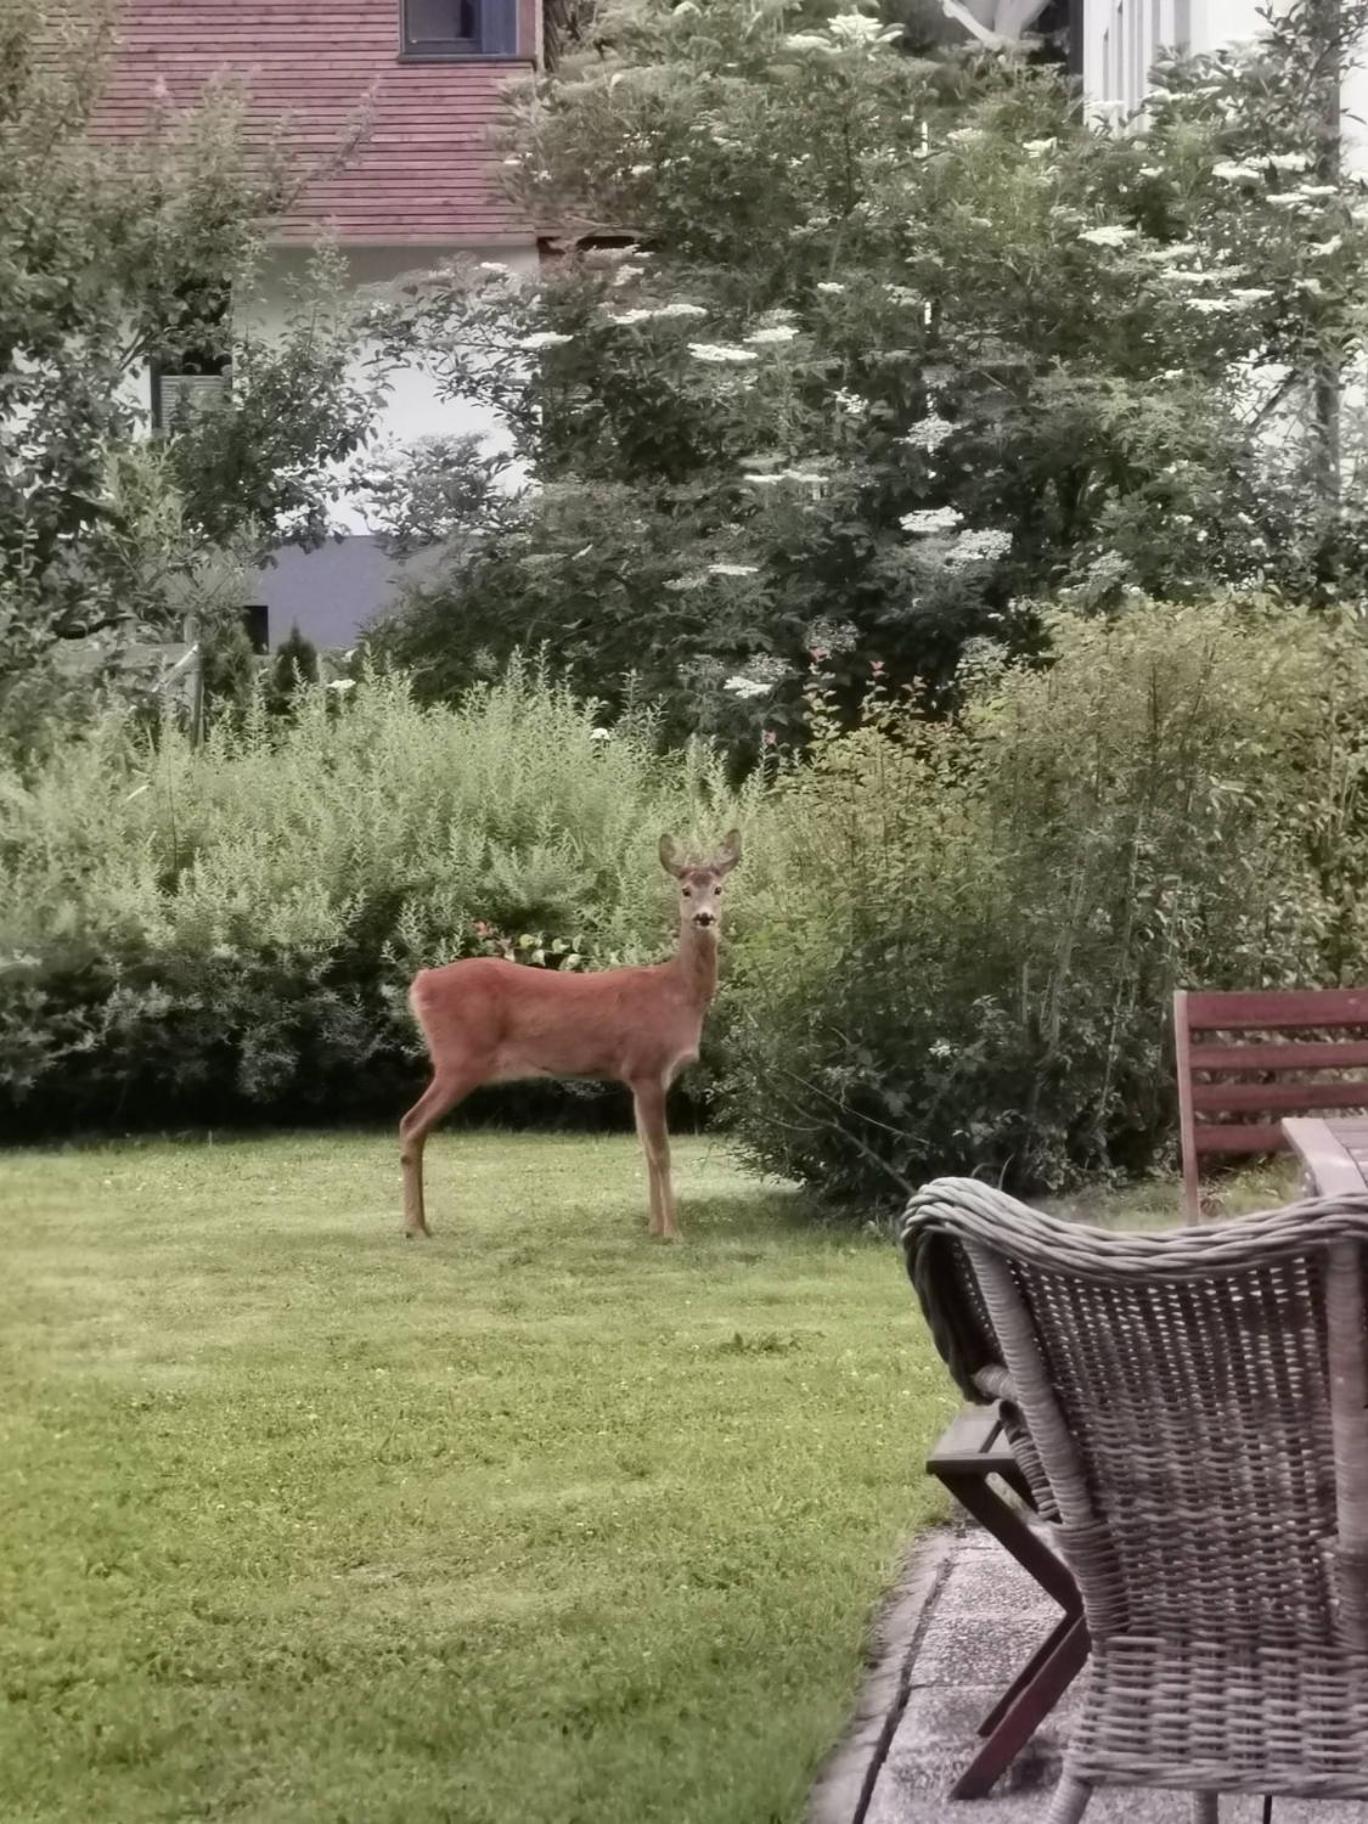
424	172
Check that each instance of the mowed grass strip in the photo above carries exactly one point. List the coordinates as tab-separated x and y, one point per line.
537	1521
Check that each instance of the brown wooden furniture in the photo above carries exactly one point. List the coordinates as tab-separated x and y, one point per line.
970	1458
1246	1060
1334	1154
1197	1403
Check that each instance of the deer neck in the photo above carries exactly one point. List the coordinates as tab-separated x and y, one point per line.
696	962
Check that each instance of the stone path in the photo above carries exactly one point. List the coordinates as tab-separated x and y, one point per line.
965	1619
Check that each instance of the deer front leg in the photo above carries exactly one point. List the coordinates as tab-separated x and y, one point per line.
440	1096
655	1143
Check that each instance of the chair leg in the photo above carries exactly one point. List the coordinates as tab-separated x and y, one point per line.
1205	1808
1070	1800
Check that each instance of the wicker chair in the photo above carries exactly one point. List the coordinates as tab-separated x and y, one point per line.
1199	1402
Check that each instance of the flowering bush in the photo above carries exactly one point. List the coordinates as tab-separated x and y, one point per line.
961	952
900	343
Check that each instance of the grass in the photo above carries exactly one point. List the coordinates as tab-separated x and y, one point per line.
537	1521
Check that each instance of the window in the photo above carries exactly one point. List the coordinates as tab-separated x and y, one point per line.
256	618
187	375
436	29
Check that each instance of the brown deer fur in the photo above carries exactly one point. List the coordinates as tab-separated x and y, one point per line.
490	1021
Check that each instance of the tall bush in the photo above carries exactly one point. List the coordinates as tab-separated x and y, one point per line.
232	929
902	345
963	956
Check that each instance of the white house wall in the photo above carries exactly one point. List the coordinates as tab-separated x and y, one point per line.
332	593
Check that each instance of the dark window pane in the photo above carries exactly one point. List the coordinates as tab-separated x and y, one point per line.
257	620
440	23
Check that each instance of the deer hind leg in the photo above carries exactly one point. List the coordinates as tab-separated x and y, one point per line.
438	1099
649	1099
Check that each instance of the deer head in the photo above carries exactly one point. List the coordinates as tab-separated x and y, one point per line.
700	883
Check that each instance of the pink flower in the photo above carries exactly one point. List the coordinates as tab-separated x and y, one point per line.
876	666
769	737
818	654
480	928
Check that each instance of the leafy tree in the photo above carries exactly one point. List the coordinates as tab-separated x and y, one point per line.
295	664
900	345
114	254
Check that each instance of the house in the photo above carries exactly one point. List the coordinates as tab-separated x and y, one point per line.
1120	40
419	187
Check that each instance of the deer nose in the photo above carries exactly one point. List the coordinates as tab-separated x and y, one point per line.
705	916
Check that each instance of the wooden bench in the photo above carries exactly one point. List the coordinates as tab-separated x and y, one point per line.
972	1455
1247	1060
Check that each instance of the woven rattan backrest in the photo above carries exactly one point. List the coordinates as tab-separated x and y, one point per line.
1199	1413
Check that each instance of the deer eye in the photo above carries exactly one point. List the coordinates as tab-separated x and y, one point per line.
688	892
717	889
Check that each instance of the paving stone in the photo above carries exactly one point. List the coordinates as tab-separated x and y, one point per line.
973	1620
961	1647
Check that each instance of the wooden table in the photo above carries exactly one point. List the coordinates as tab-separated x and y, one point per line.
1334	1153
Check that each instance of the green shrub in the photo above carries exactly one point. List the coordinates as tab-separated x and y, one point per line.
963	953
219	932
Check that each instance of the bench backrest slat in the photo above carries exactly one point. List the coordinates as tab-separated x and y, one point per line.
1213	1053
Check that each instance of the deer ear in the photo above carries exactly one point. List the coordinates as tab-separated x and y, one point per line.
730	852
670	857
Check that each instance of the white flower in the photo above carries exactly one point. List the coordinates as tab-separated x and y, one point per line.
1037	148
930	434
807	477
642	170
624	318
599	734
1230	172
1111	235
1289	161
681	310
829	286
850	402
942	1048
1251	294
767	481
1313	192
719	353
733	569
544	338
342	685
1321	250
927	520
1285	199
965	136
807	41
981	547
1178	250
776	332
854	28
1210	307
494	266
745	687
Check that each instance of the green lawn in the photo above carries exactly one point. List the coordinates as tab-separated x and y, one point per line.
537	1521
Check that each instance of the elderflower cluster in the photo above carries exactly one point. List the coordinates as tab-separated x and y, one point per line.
746	688
927	521
930	433
986	546
1111	234
720	354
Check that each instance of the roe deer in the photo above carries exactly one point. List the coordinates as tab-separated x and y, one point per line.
491	1021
